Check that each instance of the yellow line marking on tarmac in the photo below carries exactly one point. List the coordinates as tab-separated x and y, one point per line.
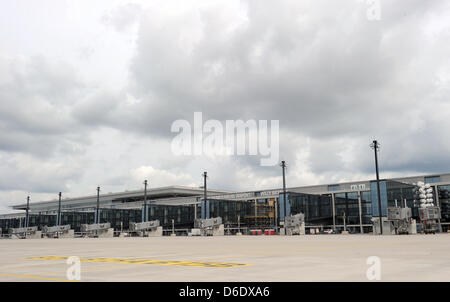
40	278
148	261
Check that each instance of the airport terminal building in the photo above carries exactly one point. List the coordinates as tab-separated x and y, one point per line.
324	206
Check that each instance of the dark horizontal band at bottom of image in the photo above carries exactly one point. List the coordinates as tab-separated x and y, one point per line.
225	291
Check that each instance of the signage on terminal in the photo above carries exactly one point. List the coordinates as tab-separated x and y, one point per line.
270	193
358	187
248	194
245	195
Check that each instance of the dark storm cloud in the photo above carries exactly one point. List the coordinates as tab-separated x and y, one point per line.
334	80
303	75
98	109
37	96
320	67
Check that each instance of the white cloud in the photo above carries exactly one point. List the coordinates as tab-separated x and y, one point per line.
162	178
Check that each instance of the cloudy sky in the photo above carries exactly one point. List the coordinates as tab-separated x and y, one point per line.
89	90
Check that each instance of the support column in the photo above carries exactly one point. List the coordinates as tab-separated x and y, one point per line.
283	166
145	218
58	218
360	213
276	213
205	191
334	211
97	215
27	216
195	211
436	192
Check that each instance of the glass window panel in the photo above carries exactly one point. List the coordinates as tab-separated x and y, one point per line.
432	179
334	187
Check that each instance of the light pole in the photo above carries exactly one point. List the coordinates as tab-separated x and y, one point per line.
27	215
376	146
205	195
283	166
98	205
145	201
58	220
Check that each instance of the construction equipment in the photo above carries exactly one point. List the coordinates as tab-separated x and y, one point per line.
428	216
98	230
209	227
147	228
59	231
25	233
294	224
429	213
401	221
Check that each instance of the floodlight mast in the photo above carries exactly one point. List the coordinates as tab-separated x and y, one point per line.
98	205
145	218
58	219
205	195
27	214
376	146
283	166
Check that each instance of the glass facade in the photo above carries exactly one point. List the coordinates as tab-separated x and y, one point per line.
392	194
183	216
10	223
229	210
75	219
119	219
317	208
281	210
432	179
334	187
347	203
444	202
366	207
374	198
400	193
